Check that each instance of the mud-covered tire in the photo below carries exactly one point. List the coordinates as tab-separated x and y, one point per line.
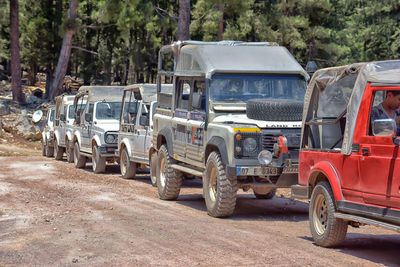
49	151
326	230
69	151
58	151
43	149
219	190
79	160
268	195
98	162
169	180
127	167
274	109
153	169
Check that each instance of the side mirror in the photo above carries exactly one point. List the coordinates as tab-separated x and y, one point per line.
37	116
62	117
384	127
396	141
88	117
196	100
311	67
144	120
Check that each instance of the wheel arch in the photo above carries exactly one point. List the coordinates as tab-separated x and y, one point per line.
165	137
96	141
217	143
324	171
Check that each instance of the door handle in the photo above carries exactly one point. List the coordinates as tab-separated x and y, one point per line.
365	151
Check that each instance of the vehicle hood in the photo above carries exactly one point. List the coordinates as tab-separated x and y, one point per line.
243	119
108	125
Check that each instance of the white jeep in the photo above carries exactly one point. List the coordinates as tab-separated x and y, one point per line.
97	113
47	135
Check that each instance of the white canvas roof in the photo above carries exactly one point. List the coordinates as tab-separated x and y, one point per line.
99	93
205	59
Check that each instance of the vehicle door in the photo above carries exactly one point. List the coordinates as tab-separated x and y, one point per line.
180	116
197	116
79	107
149	133
87	126
140	132
379	162
128	119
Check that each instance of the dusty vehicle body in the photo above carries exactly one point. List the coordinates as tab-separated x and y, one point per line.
135	136
349	165
48	134
221	131
64	127
97	113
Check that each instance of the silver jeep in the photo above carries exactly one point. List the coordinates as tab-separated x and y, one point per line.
97	113
243	110
64	127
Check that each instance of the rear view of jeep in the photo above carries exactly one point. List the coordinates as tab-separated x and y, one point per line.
236	107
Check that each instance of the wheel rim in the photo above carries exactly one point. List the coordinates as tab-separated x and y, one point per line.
162	172
124	162
320	214
212	184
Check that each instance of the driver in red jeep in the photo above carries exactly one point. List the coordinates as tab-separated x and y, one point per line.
388	109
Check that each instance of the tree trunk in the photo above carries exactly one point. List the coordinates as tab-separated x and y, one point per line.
221	22
15	57
63	60
184	20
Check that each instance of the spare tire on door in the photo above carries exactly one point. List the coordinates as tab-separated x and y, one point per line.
267	109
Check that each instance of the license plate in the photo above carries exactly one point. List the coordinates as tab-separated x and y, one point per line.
269	171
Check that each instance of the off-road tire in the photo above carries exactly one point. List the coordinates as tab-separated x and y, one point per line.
274	109
169	180
326	230
219	190
49	151
69	151
79	160
268	195
98	162
127	167
58	151
153	169
43	149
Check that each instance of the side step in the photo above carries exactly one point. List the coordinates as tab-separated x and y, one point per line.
187	170
349	217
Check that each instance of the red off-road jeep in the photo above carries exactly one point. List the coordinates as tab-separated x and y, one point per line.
349	166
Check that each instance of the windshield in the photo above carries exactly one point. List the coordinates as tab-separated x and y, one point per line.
108	110
70	111
242	87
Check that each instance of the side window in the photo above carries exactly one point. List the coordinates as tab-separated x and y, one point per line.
130	108
199	95
383	122
144	116
80	107
183	94
90	112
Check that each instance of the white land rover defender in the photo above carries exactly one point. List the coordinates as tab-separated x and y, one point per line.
97	113
243	98
135	136
64	127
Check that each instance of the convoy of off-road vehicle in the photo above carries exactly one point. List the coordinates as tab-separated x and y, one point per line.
240	115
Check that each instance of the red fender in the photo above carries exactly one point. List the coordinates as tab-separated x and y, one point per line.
329	171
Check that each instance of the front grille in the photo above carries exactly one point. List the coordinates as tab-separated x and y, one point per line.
268	141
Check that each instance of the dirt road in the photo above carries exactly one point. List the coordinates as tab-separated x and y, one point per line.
53	214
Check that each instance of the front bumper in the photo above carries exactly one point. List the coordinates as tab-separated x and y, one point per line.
108	151
285	176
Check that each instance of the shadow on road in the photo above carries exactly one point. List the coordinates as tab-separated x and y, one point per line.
381	249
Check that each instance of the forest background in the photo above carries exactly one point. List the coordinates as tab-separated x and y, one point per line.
117	41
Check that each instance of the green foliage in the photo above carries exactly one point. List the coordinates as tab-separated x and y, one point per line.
118	40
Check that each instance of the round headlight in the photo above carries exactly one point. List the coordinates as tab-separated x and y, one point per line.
110	138
250	144
265	157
